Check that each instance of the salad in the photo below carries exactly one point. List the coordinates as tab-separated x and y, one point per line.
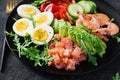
62	33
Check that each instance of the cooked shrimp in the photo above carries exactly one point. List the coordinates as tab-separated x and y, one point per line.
94	21
89	21
101	36
111	29
103	18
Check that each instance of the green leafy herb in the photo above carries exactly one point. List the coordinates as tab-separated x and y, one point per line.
117	37
9	34
37	3
54	39
14	19
116	76
31	52
113	19
27	38
95	12
33	21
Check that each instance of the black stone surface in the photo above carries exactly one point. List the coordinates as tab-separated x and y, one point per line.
14	69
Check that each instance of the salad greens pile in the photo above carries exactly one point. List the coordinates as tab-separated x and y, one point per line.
40	57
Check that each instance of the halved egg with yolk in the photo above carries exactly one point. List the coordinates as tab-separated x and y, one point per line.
22	26
43	18
41	34
26	11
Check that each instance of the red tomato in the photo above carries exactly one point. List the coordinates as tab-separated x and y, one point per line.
59	9
48	8
63	13
57	15
53	1
55	8
59	1
42	7
52	7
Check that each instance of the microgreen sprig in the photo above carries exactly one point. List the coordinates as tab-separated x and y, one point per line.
116	76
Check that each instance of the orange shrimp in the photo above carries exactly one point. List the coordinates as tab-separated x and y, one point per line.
94	21
103	18
88	20
111	29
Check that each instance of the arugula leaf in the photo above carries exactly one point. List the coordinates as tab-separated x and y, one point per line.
17	43
113	19
27	38
33	21
116	76
14	19
9	34
117	37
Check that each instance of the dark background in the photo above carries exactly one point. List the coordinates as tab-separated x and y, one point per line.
14	69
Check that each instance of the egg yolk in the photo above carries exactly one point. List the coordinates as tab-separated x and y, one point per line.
29	10
41	19
21	26
40	35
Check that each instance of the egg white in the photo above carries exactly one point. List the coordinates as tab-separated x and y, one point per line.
47	16
24	32
49	31
23	14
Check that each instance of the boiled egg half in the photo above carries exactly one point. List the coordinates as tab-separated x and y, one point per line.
22	26
41	34
43	18
26	11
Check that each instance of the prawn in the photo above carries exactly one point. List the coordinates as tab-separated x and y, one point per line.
103	18
89	21
111	29
96	23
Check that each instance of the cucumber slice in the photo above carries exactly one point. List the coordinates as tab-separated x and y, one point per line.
86	5
93	6
74	9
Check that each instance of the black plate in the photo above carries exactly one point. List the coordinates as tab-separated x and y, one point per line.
112	50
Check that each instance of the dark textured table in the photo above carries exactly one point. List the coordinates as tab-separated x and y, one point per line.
14	69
